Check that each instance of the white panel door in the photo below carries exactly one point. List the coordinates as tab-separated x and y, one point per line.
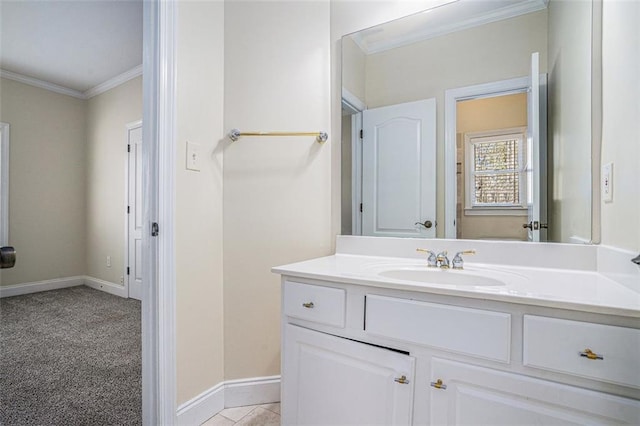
399	170
329	380
533	150
469	395
134	212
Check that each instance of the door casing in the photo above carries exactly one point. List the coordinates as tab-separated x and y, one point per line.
486	90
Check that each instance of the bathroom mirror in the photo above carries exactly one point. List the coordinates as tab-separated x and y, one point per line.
439	123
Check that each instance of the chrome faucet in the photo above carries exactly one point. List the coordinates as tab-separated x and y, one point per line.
457	261
443	260
432	261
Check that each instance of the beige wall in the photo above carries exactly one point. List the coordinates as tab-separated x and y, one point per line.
198	243
277	199
353	71
621	122
47	182
106	160
478	115
496	51
569	117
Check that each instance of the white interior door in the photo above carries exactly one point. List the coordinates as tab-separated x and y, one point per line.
399	170
134	211
533	151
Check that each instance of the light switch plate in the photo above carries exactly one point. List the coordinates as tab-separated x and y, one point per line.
193	156
607	183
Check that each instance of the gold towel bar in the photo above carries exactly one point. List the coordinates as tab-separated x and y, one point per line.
321	137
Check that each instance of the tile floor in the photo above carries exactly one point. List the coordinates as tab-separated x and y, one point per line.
250	415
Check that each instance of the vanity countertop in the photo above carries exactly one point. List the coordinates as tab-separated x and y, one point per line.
581	290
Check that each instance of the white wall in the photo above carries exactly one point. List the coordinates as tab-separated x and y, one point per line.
198	231
106	160
47	183
621	122
569	114
277	200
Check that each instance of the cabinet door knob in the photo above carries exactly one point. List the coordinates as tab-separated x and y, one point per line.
402	380
308	305
587	353
438	384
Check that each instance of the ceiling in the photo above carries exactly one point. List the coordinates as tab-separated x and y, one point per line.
75	44
445	17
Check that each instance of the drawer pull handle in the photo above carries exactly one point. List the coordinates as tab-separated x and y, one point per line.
589	354
402	380
308	305
438	384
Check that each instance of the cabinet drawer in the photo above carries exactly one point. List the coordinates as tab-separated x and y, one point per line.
560	345
475	332
323	305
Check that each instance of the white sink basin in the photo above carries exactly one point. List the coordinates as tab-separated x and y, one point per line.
440	276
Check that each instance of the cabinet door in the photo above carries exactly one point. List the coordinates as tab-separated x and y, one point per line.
481	396
328	380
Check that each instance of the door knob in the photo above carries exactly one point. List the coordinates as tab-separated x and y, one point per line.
7	257
427	224
535	225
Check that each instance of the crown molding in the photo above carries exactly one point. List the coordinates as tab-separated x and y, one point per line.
507	12
41	84
113	82
94	91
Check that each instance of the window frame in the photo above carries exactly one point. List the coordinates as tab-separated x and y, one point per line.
472	138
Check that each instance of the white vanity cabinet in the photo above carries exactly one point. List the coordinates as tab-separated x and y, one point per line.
358	354
339	381
463	394
333	380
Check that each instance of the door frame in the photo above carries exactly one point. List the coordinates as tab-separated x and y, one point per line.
159	403
355	107
127	195
356	173
4	178
485	90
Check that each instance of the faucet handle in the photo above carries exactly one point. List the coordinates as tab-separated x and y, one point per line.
457	261
432	261
443	260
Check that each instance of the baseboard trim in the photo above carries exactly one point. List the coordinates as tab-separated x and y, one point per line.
257	390
202	407
106	286
58	283
231	393
38	286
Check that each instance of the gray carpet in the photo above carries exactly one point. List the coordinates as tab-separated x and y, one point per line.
70	357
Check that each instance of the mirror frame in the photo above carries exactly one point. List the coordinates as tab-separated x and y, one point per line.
596	119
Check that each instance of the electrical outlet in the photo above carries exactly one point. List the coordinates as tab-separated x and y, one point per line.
607	183
108	261
121	280
193	156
